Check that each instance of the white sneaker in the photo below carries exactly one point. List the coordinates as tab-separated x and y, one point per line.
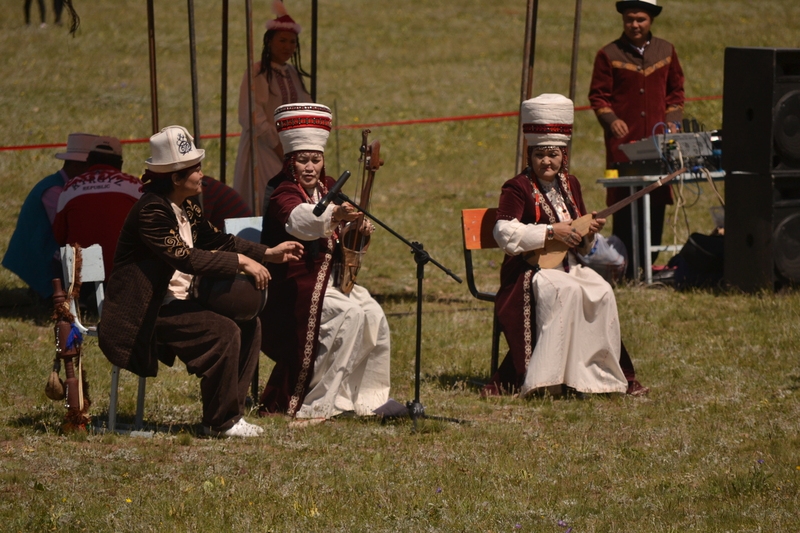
242	428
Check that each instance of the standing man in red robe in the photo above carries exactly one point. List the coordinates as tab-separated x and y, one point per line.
637	83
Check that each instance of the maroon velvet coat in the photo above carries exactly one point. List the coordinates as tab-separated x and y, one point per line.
291	319
149	251
642	90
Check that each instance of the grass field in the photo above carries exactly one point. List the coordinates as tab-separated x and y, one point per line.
713	448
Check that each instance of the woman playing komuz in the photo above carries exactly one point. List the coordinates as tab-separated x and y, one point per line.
561	324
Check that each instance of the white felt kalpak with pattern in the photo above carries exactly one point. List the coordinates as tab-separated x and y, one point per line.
173	149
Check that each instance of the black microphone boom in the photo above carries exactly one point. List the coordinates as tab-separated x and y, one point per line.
325	202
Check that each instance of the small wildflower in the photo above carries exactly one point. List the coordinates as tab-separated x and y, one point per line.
438	490
128	500
517	526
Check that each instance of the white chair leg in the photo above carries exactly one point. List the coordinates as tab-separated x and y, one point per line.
112	403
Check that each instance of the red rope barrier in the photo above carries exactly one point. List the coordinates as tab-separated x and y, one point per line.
346	127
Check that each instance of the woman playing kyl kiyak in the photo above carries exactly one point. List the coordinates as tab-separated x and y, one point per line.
561	323
331	347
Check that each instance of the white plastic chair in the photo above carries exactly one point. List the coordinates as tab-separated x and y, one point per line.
248	228
92	271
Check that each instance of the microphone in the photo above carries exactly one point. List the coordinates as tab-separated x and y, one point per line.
325	202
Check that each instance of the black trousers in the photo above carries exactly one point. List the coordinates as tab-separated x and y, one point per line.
221	352
623	229
28	10
58	8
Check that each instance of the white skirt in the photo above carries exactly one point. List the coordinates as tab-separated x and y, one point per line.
577	333
351	372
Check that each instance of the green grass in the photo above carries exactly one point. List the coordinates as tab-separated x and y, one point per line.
713	448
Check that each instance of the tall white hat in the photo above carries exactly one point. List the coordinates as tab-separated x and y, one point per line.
173	149
78	147
303	127
547	120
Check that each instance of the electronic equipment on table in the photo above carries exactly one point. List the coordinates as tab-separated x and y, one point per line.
663	152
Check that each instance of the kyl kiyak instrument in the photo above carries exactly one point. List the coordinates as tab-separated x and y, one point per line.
354	240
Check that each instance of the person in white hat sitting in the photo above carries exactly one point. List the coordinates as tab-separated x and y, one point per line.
32	252
332	350
561	323
277	79
636	86
148	313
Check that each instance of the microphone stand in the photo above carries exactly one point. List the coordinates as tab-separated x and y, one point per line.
421	257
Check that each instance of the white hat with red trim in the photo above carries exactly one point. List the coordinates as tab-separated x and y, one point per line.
303	127
547	120
283	22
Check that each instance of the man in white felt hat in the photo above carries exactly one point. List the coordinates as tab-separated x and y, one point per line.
331	344
636	86
149	313
33	252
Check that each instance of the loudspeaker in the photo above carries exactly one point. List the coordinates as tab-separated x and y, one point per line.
761	110
762	230
761	158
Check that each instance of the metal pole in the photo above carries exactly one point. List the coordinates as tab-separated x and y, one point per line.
314	17
251	106
576	33
223	119
151	41
573	71
193	63
527	73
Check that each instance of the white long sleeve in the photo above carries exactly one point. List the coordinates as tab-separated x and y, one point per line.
514	237
306	226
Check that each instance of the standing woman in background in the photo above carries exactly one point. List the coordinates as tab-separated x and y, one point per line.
276	83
